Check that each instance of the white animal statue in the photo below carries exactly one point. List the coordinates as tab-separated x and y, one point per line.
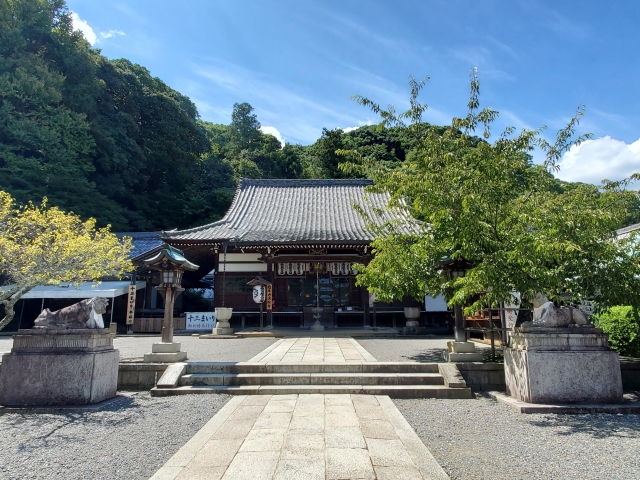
84	314
546	314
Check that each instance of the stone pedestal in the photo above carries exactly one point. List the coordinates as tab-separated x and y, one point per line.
562	365
223	326
165	352
462	352
412	327
59	367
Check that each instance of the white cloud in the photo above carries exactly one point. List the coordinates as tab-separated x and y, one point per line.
273	131
599	159
299	116
111	33
84	27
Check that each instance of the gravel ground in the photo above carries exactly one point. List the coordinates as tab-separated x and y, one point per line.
205	350
409	349
129	440
198	350
482	439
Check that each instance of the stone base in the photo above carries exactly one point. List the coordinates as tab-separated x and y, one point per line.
462	352
317	327
413	330
165	357
165	352
222	328
75	367
412	327
165	347
556	366
222	331
567	408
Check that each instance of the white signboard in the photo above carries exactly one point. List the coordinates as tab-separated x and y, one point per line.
437	304
511	316
200	320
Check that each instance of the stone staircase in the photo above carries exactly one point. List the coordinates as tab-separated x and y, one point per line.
396	379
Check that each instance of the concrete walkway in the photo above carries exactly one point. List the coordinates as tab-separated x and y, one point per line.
316	350
305	436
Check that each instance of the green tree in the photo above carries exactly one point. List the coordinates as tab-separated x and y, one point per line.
485	204
102	138
245	127
40	246
45	138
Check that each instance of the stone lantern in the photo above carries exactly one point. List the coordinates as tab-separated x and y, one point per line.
171	264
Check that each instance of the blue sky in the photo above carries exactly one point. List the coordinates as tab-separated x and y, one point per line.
299	62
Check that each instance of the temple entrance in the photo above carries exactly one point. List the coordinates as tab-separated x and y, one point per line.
334	292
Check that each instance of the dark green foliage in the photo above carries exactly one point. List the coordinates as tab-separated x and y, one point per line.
621	326
101	138
105	139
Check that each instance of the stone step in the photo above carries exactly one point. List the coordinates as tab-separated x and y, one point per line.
226	379
310	367
394	391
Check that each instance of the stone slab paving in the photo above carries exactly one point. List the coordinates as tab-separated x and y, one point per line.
304	437
314	350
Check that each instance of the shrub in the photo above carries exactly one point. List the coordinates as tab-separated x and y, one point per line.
620	325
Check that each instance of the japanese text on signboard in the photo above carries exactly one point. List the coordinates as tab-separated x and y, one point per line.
200	320
131	304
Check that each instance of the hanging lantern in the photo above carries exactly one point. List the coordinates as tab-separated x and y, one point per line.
259	293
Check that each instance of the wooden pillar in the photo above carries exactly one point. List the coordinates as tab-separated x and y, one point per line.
169	294
270	277
217	280
365	298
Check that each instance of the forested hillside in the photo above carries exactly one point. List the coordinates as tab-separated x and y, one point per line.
105	139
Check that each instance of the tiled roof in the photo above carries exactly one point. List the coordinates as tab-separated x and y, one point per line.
295	211
143	242
627	231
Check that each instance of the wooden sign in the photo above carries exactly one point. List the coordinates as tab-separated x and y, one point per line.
269	297
131	305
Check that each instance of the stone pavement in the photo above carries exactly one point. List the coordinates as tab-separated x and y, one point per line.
316	350
305	436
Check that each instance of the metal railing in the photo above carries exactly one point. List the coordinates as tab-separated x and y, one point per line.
504	331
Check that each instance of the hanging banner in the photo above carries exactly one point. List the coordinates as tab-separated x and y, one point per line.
131	304
269	299
341	268
292	268
511	316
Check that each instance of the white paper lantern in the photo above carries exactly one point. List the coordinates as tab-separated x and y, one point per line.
259	293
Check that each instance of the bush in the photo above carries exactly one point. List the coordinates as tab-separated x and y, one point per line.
622	328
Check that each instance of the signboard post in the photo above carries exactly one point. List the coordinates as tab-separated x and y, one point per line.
131	307
200	320
259	295
269	299
511	310
262	292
